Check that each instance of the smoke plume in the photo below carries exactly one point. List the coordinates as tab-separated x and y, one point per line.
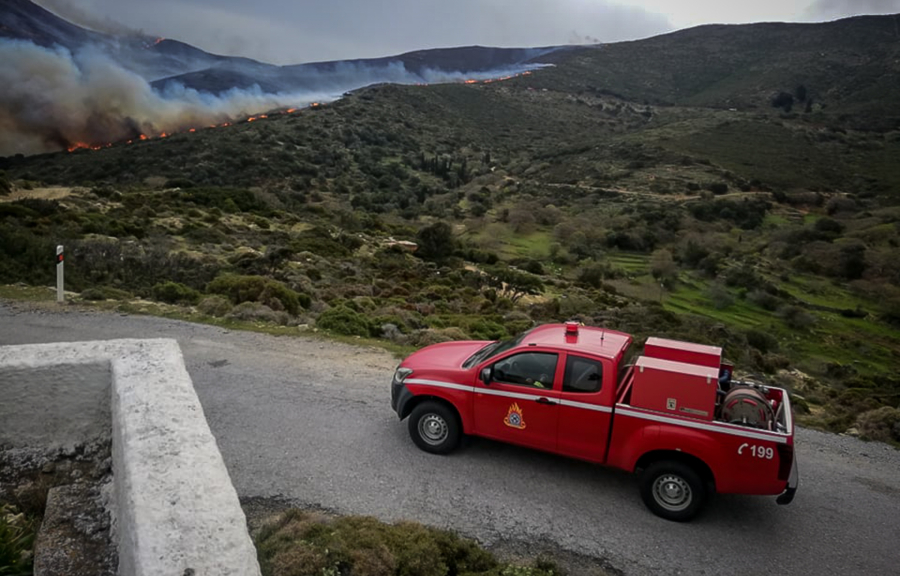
53	99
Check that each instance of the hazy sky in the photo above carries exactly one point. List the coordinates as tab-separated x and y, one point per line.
292	31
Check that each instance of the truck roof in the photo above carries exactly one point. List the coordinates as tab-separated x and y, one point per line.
597	341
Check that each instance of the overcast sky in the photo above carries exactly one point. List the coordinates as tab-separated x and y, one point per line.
292	31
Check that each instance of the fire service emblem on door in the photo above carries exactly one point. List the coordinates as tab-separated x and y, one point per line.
515	418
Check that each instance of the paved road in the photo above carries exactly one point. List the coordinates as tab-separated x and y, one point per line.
310	421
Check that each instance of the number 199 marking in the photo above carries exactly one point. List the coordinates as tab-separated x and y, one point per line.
761	452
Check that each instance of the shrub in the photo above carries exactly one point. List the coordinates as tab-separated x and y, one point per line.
17	534
719	296
764	300
796	317
435	241
487	330
105	293
217	306
5	186
882	424
762	341
175	293
274	294
309	544
427	337
319	241
343	320
717	188
256	312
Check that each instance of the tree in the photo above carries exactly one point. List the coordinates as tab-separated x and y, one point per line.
514	283
663	267
521	219
436	241
783	100
853	261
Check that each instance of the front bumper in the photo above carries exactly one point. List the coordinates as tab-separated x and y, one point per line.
787	496
400	396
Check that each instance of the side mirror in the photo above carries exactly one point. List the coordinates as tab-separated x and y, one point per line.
486	376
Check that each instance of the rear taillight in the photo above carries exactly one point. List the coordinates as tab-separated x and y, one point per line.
785	460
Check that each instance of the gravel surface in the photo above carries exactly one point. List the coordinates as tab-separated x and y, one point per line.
310	422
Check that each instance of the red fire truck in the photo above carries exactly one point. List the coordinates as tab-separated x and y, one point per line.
673	414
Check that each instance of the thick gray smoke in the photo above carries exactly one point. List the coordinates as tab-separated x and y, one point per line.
53	99
76	15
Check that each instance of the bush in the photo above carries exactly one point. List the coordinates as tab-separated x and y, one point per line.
274	294
764	300
217	306
719	296
435	241
308	544
796	317
17	534
882	424
175	293
762	341
256	312
343	320
427	337
5	186
105	293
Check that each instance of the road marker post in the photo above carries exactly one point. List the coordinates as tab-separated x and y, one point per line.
60	292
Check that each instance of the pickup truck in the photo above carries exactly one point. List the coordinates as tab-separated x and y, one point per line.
674	415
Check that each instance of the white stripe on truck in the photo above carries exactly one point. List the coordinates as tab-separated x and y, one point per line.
722	427
621	409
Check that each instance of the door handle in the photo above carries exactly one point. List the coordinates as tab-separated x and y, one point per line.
545	401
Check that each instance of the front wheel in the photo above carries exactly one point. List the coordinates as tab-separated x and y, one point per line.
673	490
434	428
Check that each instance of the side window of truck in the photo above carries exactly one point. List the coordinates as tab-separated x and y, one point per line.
534	369
583	375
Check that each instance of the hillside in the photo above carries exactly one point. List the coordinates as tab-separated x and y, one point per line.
688	208
847	66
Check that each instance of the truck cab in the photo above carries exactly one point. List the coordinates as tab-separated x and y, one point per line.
673	414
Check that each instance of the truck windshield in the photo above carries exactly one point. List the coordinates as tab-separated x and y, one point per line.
493	349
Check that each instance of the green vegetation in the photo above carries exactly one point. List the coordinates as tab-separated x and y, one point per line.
680	200
301	543
17	534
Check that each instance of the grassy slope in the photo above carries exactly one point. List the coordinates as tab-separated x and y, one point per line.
612	165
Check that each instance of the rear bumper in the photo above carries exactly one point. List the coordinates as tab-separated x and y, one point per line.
787	496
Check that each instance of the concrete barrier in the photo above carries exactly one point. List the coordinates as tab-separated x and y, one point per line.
176	511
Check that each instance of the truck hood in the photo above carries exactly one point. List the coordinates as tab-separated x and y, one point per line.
443	356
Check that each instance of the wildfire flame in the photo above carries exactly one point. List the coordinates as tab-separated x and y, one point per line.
85	146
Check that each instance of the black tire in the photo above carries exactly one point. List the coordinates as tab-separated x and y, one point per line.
434	427
673	490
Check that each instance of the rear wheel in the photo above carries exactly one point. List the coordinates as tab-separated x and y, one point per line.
673	490
434	427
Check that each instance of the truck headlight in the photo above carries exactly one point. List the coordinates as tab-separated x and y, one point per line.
401	374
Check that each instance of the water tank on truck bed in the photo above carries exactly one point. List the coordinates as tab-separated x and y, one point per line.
699	354
675	388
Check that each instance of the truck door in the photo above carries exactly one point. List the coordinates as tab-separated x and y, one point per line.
519	405
585	408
